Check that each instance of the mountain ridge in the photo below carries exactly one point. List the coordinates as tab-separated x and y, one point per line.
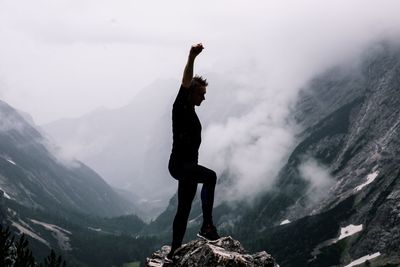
32	175
62	204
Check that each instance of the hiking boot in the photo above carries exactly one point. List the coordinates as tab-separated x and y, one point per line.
208	232
169	258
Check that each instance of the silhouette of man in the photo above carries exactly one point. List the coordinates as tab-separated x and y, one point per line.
183	163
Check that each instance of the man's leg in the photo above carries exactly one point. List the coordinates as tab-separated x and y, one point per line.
186	192
191	174
208	178
207	195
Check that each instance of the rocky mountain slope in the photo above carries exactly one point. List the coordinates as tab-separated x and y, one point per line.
62	204
336	199
352	124
32	174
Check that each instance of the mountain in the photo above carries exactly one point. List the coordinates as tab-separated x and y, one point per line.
351	121
32	174
62	204
335	201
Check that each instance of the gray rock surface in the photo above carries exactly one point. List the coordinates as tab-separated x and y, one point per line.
225	251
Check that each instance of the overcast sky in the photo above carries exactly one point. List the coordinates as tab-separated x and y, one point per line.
64	58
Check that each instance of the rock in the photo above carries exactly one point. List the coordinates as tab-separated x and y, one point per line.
225	251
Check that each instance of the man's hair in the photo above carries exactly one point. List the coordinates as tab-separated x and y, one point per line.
198	81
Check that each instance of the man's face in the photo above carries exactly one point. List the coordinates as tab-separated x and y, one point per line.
198	95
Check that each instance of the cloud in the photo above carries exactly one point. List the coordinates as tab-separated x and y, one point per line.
9	122
319	178
85	54
317	174
65	58
104	22
294	43
251	149
62	156
13	121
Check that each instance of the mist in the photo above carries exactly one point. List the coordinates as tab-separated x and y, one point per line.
252	147
84	54
67	58
318	175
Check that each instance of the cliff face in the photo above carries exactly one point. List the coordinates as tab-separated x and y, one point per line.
351	120
225	251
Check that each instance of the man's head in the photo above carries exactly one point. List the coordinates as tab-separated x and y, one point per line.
198	88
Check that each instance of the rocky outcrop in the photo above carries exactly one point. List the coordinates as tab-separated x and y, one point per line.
225	251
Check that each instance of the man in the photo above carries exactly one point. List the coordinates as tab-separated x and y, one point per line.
183	163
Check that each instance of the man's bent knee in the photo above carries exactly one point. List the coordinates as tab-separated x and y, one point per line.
212	177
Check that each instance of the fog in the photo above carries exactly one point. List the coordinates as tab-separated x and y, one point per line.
318	175
66	58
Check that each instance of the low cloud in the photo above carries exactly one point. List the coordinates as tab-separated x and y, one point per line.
317	174
250	149
319	177
10	119
292	47
15	123
85	54
60	155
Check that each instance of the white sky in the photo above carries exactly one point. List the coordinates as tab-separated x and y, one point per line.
64	58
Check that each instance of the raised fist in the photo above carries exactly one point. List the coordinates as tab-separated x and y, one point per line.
196	49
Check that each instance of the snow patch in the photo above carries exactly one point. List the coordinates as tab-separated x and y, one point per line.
285	222
95	229
344	232
370	178
363	259
5	193
24	224
12	162
349	230
7	158
58	233
26	231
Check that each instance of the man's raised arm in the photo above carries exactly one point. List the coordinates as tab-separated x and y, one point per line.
195	50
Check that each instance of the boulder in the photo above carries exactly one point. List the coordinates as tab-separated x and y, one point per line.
225	251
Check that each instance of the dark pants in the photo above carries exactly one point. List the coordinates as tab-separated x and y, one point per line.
189	175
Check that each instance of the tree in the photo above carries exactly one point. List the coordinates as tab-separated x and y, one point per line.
19	254
7	248
24	257
53	261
